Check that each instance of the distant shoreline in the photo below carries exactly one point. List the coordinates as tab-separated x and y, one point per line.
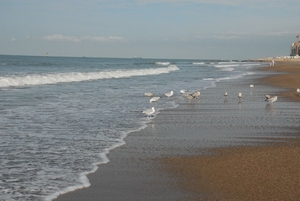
270	59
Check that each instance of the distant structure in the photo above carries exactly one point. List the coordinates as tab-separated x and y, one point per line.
295	48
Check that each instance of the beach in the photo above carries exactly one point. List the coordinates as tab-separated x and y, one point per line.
253	154
289	78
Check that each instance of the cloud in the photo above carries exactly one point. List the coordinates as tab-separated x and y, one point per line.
13	39
61	38
281	33
101	39
58	37
236	35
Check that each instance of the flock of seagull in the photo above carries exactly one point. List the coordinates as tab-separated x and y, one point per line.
196	94
269	98
151	111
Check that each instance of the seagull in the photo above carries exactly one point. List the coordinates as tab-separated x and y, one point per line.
251	85
148	94
182	91
169	94
190	97
268	97
225	94
240	95
154	99
298	90
148	112
196	94
272	99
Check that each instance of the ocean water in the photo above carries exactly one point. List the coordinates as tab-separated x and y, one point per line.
60	116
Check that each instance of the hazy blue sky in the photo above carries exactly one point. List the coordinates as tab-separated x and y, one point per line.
198	29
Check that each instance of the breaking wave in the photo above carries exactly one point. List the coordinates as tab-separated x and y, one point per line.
42	79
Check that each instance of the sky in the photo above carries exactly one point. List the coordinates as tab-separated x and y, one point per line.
174	29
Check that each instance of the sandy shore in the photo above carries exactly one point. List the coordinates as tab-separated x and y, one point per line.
242	173
248	173
178	155
289	78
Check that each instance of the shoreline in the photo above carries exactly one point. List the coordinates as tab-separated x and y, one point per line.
156	162
277	59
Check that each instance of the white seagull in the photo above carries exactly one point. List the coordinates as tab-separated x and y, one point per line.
272	99
251	85
148	112
240	95
148	94
182	91
298	90
154	99
190	97
169	94
225	94
268	97
196	94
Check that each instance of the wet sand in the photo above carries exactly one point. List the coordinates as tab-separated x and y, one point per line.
288	78
241	173
270	172
211	148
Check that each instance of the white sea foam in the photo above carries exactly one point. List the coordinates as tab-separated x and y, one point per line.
83	176
226	65
227	62
251	64
235	77
39	79
208	79
228	78
162	63
227	69
198	63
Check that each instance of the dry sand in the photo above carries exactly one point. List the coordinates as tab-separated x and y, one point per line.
175	158
243	173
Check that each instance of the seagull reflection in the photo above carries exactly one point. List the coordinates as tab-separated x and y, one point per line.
152	126
271	109
240	104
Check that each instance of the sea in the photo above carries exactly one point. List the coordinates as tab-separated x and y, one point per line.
61	116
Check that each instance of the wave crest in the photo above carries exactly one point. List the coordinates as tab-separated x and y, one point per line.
39	79
162	63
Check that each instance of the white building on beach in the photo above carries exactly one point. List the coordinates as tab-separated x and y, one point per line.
295	48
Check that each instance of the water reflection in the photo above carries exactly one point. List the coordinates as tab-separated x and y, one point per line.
271	109
240	104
